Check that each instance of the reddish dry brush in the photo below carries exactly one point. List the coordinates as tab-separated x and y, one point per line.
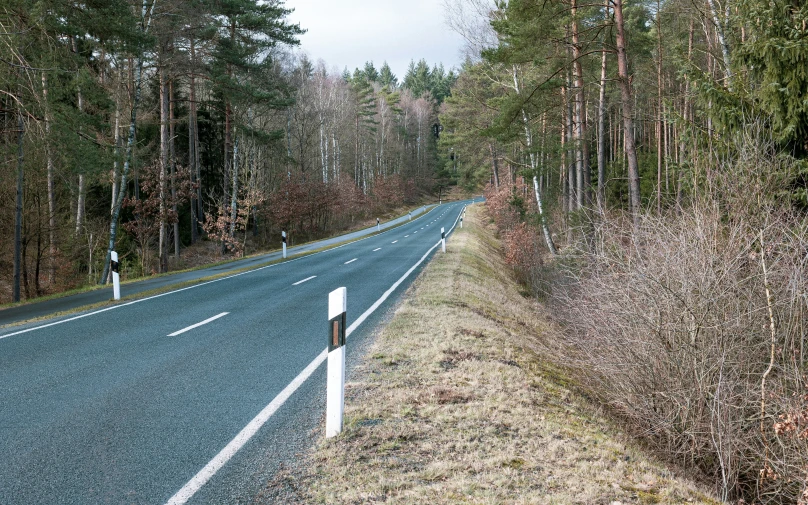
511	205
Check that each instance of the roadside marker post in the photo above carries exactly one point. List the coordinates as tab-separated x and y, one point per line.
335	387
116	277
442	239
283	239
378	225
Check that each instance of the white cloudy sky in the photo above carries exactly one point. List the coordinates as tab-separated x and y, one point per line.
351	32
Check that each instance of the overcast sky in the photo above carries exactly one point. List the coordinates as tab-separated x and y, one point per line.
351	32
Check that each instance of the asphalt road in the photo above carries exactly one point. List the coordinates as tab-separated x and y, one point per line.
177	398
25	312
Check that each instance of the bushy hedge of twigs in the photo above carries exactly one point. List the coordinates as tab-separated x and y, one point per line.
692	325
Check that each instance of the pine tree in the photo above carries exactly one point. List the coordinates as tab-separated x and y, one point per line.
247	30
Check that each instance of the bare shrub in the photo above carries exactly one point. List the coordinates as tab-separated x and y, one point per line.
692	327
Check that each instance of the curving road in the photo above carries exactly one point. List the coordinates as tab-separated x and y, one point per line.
194	396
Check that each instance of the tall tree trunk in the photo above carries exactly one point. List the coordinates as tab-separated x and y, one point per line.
720	30
323	149
52	246
494	163
80	204
173	166
82	186
686	116
581	144
628	120
192	140
660	118
130	143
228	132
601	195
532	156
569	153
117	137
18	209
234	197
163	241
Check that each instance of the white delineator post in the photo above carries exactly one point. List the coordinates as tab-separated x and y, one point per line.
378	225
442	239
335	388
283	239
116	277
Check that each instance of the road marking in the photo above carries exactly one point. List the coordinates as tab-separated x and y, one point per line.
205	474
205	283
393	242
351	261
405	236
304	280
377	249
206	321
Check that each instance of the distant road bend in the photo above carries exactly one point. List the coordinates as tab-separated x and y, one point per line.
197	395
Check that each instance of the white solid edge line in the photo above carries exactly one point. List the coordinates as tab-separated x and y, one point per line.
377	249
206	321
304	280
208	471
350	261
81	316
204	475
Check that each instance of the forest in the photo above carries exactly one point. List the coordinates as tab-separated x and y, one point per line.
155	128
646	166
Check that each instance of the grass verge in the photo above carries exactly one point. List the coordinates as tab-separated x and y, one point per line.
454	404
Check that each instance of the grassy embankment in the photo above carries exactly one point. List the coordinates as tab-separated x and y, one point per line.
454	403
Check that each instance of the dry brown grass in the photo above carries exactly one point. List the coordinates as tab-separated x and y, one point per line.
454	404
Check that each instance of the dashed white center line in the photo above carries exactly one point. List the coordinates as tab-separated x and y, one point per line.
351	261
405	236
206	321
378	248
393	242
304	280
416	231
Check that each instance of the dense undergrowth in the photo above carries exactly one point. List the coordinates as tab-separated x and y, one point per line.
690	325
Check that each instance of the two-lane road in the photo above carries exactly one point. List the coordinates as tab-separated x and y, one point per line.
194	395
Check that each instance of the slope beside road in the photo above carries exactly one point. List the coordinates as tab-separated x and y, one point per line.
456	402
145	401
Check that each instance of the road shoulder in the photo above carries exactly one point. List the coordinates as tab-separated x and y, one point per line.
454	404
